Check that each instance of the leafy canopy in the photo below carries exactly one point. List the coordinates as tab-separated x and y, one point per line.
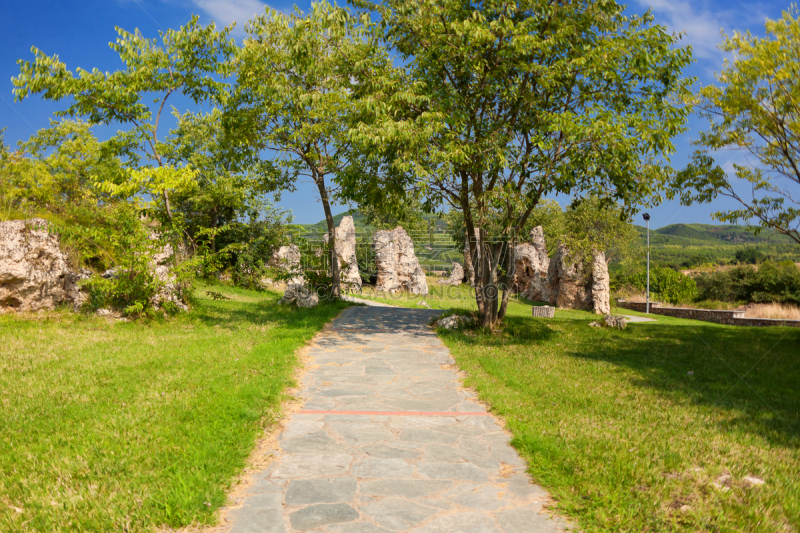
754	109
188	61
499	104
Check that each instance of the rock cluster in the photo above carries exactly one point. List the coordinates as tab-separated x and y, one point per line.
346	253
611	321
456	276
560	280
398	266
454	322
299	295
287	258
34	271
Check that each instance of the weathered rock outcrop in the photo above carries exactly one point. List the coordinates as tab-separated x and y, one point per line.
287	258
570	282
601	287
531	266
398	266
299	295
346	254
34	271
161	264
456	276
561	280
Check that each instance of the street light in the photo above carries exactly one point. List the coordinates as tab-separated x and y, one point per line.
646	216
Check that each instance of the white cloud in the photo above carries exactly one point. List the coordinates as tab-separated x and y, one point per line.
701	26
223	12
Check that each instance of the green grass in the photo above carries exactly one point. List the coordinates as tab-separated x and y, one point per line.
127	426
625	428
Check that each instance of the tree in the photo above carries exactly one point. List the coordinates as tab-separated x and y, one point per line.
225	193
75	161
500	104
187	61
755	109
297	97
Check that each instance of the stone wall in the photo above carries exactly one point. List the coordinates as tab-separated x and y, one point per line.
728	318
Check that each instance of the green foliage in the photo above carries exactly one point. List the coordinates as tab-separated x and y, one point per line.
296	96
187	61
497	105
753	109
223	193
750	256
770	282
665	284
247	247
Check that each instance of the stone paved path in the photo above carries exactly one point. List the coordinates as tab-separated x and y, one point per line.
388	441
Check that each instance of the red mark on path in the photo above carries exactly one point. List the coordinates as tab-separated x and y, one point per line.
391	413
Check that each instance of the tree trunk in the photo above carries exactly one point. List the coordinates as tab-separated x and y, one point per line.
336	291
469	269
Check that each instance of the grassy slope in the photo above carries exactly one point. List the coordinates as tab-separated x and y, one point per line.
113	426
613	424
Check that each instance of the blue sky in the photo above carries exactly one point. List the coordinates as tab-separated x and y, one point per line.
79	32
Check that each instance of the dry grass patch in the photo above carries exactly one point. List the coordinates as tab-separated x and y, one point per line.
780	311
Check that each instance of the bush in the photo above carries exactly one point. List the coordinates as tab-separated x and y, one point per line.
665	284
770	283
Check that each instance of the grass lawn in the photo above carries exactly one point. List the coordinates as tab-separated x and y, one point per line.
630	430
126	426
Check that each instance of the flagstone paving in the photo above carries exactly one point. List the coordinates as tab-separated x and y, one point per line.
388	440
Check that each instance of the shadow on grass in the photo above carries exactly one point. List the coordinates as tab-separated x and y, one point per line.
752	374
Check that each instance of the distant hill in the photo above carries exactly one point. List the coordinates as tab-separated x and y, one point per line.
690	245
360	222
708	234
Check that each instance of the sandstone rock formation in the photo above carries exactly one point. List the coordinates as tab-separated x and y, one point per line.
398	266
561	280
601	288
531	266
456	276
346	254
570	282
287	258
161	264
34	271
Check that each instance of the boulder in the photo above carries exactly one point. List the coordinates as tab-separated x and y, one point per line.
454	322
287	258
398	266
601	288
299	295
456	276
34	271
346	254
611	321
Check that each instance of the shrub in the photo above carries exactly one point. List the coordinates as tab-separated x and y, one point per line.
770	283
665	284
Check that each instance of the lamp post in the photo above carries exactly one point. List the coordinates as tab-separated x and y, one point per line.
646	217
